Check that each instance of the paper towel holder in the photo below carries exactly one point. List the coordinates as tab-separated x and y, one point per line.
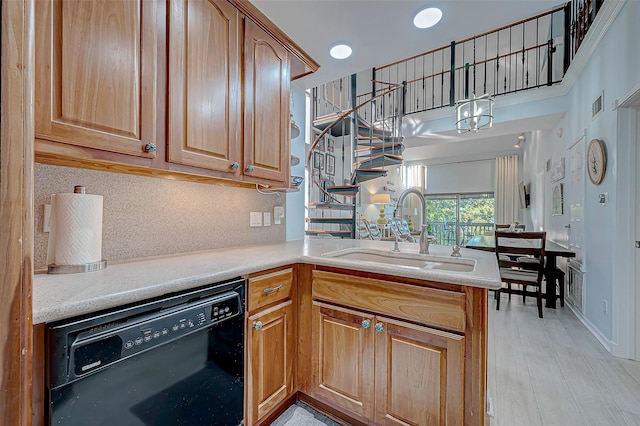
75	269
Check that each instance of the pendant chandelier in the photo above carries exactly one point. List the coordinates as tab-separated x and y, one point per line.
473	113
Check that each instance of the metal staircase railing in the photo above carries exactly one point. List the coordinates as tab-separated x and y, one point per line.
376	144
531	53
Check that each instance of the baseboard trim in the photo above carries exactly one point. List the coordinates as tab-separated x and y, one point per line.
592	328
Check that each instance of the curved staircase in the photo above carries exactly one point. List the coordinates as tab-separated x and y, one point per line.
375	146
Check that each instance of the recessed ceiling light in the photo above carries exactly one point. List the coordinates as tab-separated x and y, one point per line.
427	18
340	51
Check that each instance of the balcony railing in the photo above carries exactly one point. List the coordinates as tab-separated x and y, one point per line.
528	54
445	233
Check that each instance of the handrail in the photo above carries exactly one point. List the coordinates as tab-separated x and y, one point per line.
338	120
557	9
344	114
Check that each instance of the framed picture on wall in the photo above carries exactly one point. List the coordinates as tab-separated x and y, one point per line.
557	170
318	160
331	164
331	145
557	200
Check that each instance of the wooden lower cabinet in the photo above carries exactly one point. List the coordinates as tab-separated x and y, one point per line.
384	371
343	359
419	375
271	359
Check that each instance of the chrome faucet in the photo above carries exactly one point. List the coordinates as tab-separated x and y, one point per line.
425	238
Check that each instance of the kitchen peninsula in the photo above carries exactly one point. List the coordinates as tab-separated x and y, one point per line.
417	330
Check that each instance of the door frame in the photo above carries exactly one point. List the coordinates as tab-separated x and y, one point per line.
16	211
625	338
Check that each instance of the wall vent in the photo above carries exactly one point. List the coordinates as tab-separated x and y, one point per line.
597	106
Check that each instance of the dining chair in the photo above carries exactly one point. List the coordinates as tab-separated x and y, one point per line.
362	230
374	231
520	258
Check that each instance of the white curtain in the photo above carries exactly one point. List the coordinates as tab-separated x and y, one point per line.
414	176
506	189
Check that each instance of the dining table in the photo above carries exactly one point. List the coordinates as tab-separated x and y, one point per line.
552	251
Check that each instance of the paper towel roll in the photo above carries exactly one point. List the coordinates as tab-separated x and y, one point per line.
75	236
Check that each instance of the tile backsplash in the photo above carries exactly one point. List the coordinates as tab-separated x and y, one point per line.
145	216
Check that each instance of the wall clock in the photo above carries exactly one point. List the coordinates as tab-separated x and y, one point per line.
596	161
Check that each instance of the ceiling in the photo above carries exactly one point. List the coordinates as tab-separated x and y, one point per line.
382	31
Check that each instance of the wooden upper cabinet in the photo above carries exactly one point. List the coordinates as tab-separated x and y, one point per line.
96	74
266	111
204	85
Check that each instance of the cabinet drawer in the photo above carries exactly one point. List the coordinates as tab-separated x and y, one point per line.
426	305
269	288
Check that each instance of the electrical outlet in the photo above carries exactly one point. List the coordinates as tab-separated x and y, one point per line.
255	219
266	218
278	214
46	220
605	306
602	198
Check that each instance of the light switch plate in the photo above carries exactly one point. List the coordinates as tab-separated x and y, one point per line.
266	218
278	214
255	219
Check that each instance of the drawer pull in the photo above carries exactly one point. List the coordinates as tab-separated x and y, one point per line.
366	323
272	289
257	325
379	327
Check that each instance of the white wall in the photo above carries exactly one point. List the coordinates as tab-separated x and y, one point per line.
613	68
390	184
294	210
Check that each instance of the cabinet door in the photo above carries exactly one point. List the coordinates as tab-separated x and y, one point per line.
96	74
271	359
342	359
204	84
419	375
266	116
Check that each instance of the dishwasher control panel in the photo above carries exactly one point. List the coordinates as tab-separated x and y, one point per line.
91	351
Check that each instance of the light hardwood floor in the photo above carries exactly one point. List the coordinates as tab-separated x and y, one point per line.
553	371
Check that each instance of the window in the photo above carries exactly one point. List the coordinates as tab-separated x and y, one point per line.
476	212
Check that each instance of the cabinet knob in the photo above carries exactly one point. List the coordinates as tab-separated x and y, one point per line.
250	169
379	327
366	323
257	325
149	147
234	165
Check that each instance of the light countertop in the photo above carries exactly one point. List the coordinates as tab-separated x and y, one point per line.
57	297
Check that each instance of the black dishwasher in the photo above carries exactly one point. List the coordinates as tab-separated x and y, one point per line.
171	361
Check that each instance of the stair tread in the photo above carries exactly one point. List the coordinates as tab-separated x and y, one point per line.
395	149
329	219
335	206
347	190
378	138
381	160
364	174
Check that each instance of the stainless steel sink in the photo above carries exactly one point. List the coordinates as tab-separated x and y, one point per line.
405	259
